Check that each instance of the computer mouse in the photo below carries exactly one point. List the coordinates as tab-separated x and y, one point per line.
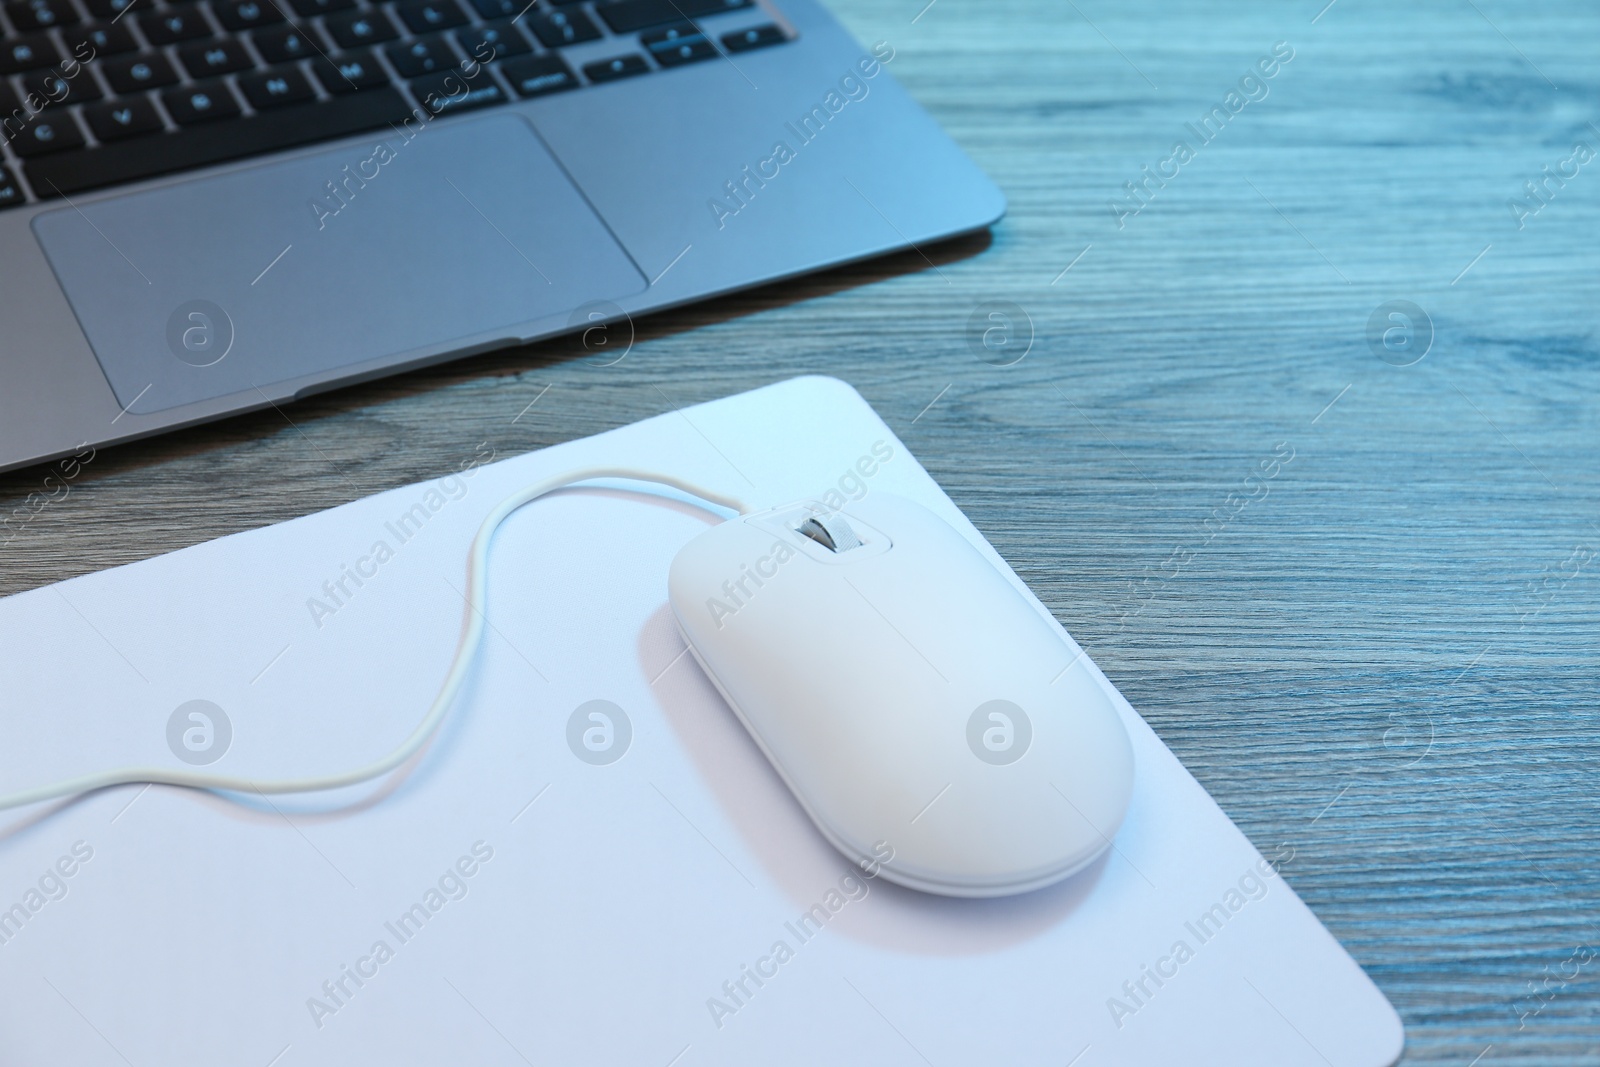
937	725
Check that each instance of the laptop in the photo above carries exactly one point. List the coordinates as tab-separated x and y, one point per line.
210	206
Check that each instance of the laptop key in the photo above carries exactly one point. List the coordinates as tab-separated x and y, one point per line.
119	119
356	28
351	72
276	88
27	53
55	89
489	10
48	132
422	56
452	92
677	45
678	32
754	37
10	191
560	28
108	40
497	40
538	75
132	73
40	14
607	70
678	54
210	58
113	9
147	157
200	102
247	14
428	16
285	44
174	25
630	16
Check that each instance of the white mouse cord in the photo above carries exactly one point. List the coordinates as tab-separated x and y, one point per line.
466	652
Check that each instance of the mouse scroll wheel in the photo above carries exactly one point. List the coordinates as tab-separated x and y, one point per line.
836	535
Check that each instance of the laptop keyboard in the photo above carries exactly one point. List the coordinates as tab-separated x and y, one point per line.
95	93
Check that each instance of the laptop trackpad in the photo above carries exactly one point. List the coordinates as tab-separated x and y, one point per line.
220	285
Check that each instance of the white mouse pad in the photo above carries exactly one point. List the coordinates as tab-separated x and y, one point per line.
542	886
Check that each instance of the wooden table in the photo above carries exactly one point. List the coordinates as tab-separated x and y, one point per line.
1381	652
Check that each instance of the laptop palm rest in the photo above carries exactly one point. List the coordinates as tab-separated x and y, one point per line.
427	237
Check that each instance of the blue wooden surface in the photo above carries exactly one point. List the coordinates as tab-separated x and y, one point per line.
1382	656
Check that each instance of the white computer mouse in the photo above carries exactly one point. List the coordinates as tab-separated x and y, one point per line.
916	702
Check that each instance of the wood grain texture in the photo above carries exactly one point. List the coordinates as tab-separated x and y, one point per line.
1385	657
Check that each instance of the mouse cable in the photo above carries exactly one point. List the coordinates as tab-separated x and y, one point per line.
466	651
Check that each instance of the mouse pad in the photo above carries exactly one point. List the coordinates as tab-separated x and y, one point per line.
217	285
593	863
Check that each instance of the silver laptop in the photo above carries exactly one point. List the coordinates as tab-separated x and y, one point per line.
215	205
